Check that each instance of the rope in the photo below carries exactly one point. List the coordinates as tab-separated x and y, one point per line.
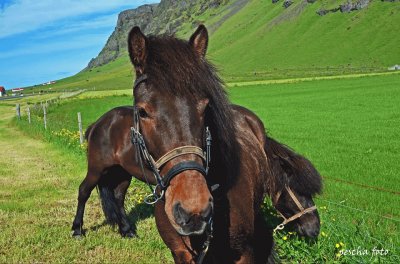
362	185
359	210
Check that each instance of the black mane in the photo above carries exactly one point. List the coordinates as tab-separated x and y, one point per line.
174	67
291	169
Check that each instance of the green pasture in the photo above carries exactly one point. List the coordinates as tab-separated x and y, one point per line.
347	127
266	41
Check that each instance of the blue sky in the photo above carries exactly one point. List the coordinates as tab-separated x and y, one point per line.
44	40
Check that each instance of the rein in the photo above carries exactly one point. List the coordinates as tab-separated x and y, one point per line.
157	192
296	216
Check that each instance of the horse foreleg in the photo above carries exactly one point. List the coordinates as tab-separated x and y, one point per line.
85	190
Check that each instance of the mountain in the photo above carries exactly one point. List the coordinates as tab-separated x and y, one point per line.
167	17
116	44
261	39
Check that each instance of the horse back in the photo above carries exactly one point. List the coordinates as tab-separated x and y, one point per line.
109	138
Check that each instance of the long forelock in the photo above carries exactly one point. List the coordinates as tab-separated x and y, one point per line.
292	169
172	66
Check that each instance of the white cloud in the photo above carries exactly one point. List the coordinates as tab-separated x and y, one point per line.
95	24
27	15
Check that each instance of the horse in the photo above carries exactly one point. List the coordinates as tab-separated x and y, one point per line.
291	173
293	183
179	103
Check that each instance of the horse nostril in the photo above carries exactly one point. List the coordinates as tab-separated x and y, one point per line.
181	216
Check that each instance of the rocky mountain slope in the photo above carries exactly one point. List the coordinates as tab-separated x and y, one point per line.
167	17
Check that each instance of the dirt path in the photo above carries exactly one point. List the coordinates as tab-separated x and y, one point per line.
22	157
33	192
38	192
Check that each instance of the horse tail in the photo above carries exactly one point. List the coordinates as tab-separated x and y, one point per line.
298	171
108	201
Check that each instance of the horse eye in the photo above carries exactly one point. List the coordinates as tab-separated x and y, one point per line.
143	113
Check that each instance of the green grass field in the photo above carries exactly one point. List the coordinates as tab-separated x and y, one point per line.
347	127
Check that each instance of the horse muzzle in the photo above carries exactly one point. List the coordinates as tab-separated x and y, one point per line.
192	224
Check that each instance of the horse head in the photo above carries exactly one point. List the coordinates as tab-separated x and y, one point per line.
170	115
293	186
299	211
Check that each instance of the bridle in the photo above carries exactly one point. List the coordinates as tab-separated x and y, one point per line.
299	206
157	192
163	182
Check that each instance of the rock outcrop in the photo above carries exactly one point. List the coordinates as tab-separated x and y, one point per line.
116	43
346	7
163	18
287	3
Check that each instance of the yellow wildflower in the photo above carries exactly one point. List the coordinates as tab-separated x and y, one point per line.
337	245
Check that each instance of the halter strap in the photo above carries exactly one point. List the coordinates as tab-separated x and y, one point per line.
298	204
139	80
163	182
179	151
294	198
157	192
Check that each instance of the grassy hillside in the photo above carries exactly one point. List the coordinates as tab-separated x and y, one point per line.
347	127
266	41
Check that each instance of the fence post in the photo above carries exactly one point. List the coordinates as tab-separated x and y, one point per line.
18	110
44	116
80	128
29	115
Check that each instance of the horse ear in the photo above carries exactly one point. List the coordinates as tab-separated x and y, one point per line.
199	40
137	43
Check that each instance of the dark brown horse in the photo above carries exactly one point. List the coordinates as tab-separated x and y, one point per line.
293	181
177	95
111	151
288	169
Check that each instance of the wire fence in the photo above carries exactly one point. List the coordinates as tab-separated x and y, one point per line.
358	210
38	112
34	117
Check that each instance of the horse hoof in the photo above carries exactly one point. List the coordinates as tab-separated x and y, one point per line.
129	234
77	235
